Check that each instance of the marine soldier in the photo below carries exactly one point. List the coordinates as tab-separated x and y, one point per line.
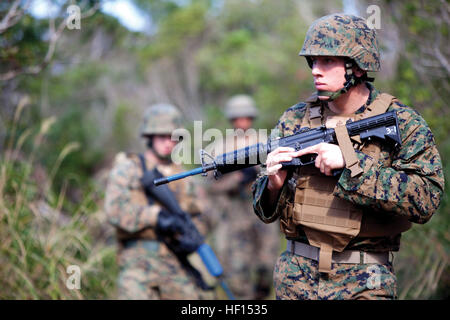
247	248
148	268
344	214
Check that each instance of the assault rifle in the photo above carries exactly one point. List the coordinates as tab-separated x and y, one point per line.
167	199
383	126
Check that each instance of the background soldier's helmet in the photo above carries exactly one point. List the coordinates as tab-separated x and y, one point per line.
240	105
161	118
343	35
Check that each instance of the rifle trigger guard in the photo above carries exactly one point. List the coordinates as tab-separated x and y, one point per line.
217	174
311	160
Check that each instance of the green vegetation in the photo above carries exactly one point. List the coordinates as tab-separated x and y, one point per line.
38	240
64	115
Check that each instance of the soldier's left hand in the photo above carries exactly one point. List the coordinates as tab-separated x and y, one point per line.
329	157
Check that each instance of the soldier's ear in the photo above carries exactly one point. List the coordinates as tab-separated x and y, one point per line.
358	72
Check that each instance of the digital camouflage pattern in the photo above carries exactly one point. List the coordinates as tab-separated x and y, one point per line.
148	269
242	243
240	105
344	36
408	182
298	278
150	272
160	118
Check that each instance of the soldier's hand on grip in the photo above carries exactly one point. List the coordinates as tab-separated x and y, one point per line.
169	223
273	165
187	243
147	179
329	157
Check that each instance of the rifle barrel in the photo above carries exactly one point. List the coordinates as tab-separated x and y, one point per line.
182	175
382	126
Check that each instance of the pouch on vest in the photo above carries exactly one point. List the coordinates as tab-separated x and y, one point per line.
330	223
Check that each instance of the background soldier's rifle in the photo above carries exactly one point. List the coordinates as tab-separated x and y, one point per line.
167	199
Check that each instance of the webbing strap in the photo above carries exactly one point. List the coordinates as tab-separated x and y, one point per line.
143	165
325	257
349	154
144	170
315	116
343	222
381	104
378	106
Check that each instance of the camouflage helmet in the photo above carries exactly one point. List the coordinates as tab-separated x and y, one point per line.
160	118
343	35
240	105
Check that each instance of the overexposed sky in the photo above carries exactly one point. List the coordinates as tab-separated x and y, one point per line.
349	7
123	10
129	15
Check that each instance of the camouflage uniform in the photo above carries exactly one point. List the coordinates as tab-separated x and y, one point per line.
404	183
148	269
247	248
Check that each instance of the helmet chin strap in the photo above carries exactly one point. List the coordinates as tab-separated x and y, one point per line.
167	158
350	81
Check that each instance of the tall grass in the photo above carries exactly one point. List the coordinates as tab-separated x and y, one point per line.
38	240
422	265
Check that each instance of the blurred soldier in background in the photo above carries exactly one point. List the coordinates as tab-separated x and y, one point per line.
247	249
148	268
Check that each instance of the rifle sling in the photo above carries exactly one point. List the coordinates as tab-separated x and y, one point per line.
181	258
144	170
348	152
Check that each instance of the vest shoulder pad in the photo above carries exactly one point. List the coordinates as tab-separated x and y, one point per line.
126	159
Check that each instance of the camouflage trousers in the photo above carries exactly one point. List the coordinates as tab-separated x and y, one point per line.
298	278
148	271
245	249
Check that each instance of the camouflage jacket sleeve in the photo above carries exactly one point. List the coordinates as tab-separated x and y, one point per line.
288	123
409	184
125	202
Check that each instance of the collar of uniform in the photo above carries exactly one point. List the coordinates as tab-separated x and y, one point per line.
372	95
313	99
